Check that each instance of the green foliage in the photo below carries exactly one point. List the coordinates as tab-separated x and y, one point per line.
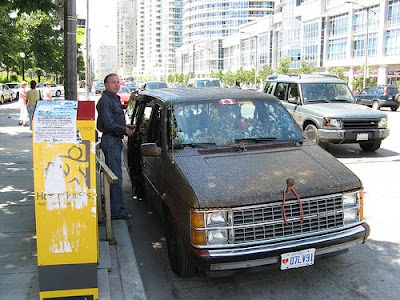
14	77
180	78
171	78
283	66
306	67
26	6
240	75
264	73
228	77
358	81
219	74
339	71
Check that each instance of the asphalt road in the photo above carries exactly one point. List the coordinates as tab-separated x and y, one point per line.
369	271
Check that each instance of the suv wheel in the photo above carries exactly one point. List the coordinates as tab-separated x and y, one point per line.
375	105
2	100
371	146
58	93
312	133
394	108
179	258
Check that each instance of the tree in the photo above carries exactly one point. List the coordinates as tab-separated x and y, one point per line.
358	81
306	67
42	42
240	75
338	71
228	77
264	73
180	78
283	66
219	74
24	6
171	78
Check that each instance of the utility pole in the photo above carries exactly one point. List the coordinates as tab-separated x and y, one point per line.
88	77
70	50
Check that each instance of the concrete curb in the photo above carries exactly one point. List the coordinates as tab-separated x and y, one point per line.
131	281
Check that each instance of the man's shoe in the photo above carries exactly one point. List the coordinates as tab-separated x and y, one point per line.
123	215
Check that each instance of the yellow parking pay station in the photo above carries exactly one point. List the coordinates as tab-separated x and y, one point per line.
65	199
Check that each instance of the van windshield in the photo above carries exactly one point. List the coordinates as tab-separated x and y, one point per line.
326	92
228	121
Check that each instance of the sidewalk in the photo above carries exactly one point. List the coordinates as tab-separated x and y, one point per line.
118	274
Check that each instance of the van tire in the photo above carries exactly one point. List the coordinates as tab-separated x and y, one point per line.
371	146
179	258
375	105
311	132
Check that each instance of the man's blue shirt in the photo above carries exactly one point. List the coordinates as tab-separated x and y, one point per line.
111	117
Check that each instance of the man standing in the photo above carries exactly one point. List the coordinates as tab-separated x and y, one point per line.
111	122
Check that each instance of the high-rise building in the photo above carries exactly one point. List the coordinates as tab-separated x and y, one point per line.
126	37
216	18
159	31
107	61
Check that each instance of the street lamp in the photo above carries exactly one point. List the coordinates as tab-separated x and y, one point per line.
366	40
22	54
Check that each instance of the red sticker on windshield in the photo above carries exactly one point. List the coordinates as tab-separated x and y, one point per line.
227	101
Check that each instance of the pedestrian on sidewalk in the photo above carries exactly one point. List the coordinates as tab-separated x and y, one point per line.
23	112
32	96
47	92
111	122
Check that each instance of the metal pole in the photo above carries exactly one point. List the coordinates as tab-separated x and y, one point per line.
23	69
70	50
366	51
256	71
87	77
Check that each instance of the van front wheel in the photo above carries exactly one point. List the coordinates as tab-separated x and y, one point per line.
179	258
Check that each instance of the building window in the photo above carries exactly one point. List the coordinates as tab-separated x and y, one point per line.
337	48
393	17
311	31
359	45
392	42
338	25
360	19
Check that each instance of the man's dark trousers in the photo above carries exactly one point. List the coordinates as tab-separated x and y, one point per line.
112	147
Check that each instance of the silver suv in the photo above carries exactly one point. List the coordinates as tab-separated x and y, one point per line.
325	109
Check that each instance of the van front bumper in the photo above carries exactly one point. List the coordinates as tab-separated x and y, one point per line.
267	254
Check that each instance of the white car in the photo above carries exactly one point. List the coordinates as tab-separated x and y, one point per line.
5	93
56	90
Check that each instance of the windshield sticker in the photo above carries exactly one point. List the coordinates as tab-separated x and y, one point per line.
227	101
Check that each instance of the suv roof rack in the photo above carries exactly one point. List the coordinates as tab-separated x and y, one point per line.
329	75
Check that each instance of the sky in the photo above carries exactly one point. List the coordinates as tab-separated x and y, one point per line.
102	21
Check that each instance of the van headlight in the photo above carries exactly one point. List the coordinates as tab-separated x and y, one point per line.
382	123
353	207
217	236
333	123
211	227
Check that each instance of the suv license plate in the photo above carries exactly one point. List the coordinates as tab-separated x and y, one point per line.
362	137
297	259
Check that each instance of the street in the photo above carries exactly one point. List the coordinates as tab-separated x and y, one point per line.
368	271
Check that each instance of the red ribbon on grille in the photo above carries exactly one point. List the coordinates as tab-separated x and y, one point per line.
288	190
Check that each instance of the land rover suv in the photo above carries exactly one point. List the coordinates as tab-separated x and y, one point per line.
325	109
237	183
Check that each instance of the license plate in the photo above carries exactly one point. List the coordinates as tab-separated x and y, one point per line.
362	137
297	259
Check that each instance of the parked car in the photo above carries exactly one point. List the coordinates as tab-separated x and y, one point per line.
99	87
124	94
379	96
215	164
204	82
14	86
130	85
325	109
56	90
5	93
153	85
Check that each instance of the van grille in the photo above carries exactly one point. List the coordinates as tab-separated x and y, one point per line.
266	222
360	124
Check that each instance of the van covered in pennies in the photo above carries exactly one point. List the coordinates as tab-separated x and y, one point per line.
237	183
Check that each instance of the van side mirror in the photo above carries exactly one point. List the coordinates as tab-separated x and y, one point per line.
295	100
150	149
